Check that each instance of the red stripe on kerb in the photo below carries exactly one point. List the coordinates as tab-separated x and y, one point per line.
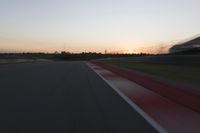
182	96
172	116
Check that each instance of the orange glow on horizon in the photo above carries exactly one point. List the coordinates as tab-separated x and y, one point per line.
17	45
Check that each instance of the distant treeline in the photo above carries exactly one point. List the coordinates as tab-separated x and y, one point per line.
65	55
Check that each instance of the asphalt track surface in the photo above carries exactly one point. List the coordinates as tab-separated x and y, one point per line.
62	97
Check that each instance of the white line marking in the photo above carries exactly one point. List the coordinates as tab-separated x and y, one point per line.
155	124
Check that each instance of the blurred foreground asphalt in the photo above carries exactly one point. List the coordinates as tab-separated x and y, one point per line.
62	97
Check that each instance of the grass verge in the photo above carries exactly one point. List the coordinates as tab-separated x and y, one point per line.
186	74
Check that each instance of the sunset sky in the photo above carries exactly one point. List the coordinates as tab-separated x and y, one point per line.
96	25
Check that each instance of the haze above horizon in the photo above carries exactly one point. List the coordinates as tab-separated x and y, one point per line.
95	25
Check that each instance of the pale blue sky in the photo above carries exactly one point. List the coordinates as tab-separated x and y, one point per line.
95	25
